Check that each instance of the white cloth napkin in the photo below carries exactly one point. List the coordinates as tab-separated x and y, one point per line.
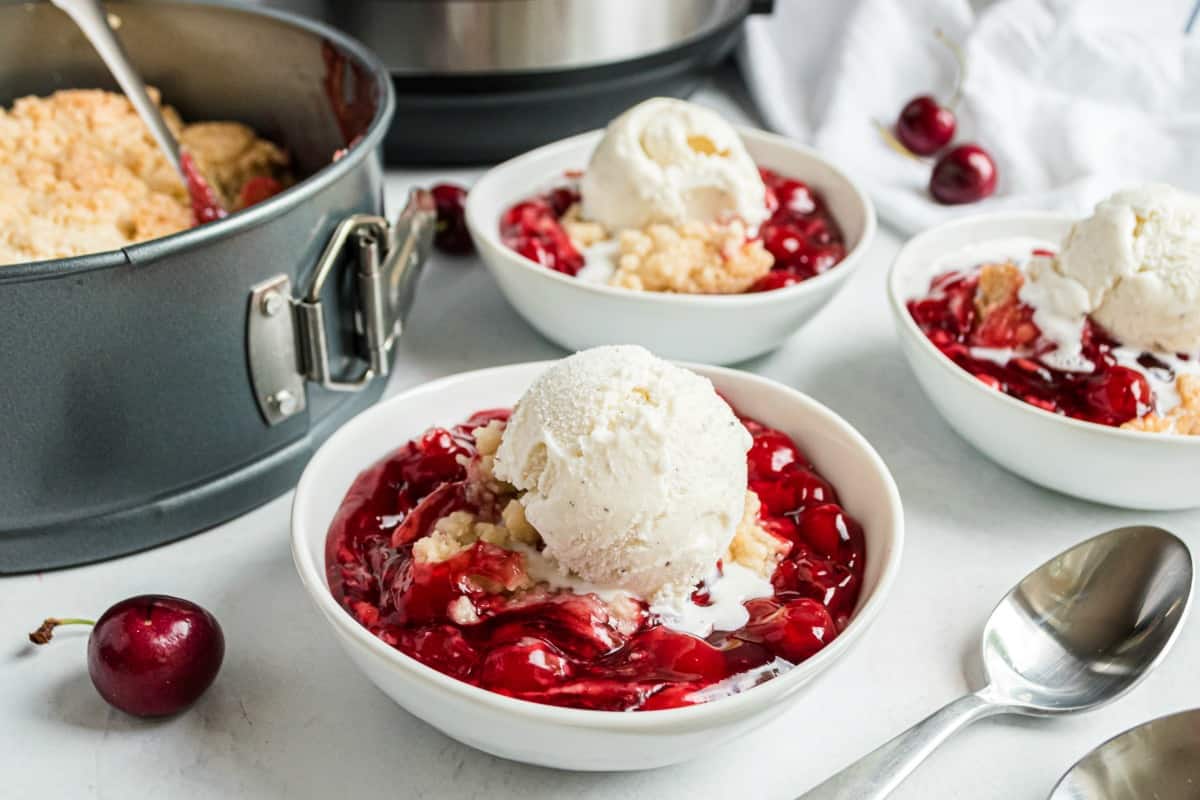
1073	98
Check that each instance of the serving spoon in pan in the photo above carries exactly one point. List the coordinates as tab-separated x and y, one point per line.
93	22
1078	632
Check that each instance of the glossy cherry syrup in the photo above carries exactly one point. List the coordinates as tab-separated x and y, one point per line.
800	234
533	229
563	648
206	206
1109	395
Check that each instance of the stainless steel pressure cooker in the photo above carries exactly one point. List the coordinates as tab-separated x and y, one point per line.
481	80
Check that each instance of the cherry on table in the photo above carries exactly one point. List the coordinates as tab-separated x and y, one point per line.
451	234
925	126
150	655
963	175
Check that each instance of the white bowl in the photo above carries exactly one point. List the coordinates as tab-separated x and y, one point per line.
573	738
1131	469
717	329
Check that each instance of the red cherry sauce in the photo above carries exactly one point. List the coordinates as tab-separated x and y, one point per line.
206	206
563	648
1109	395
800	234
533	228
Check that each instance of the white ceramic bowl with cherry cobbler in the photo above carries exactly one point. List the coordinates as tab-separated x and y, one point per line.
599	563
1066	350
671	229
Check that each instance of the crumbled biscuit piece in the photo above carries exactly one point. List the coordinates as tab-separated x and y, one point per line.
455	532
695	258
484	489
518	527
998	286
451	535
1184	419
583	233
753	546
462	611
492	533
481	471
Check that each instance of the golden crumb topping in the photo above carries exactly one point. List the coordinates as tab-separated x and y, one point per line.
1184	419
80	173
695	258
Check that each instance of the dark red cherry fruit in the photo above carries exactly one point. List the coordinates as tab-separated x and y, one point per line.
963	175
450	234
150	655
925	126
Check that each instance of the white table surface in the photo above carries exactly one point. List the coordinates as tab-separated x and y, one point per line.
289	716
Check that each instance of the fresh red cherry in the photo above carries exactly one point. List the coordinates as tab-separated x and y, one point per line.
450	234
150	655
963	175
925	126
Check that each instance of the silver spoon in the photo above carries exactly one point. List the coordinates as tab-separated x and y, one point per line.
1079	631
93	21
1159	759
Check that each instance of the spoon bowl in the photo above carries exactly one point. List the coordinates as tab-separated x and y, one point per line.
1088	625
1159	759
1078	632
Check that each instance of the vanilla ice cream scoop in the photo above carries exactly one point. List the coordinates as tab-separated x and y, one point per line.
671	161
634	470
1137	259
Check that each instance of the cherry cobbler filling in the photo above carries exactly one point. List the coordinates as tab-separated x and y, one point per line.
977	319
433	555
799	240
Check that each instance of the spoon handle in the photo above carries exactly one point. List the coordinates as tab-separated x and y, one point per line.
877	774
92	20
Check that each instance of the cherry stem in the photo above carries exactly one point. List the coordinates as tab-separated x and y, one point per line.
896	144
46	632
962	66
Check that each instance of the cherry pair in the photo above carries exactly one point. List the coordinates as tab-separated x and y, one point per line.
962	174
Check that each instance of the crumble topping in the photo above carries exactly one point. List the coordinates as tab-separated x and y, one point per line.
998	286
80	173
1184	419
484	489
696	258
583	233
457	531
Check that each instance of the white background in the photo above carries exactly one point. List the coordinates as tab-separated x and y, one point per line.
290	717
